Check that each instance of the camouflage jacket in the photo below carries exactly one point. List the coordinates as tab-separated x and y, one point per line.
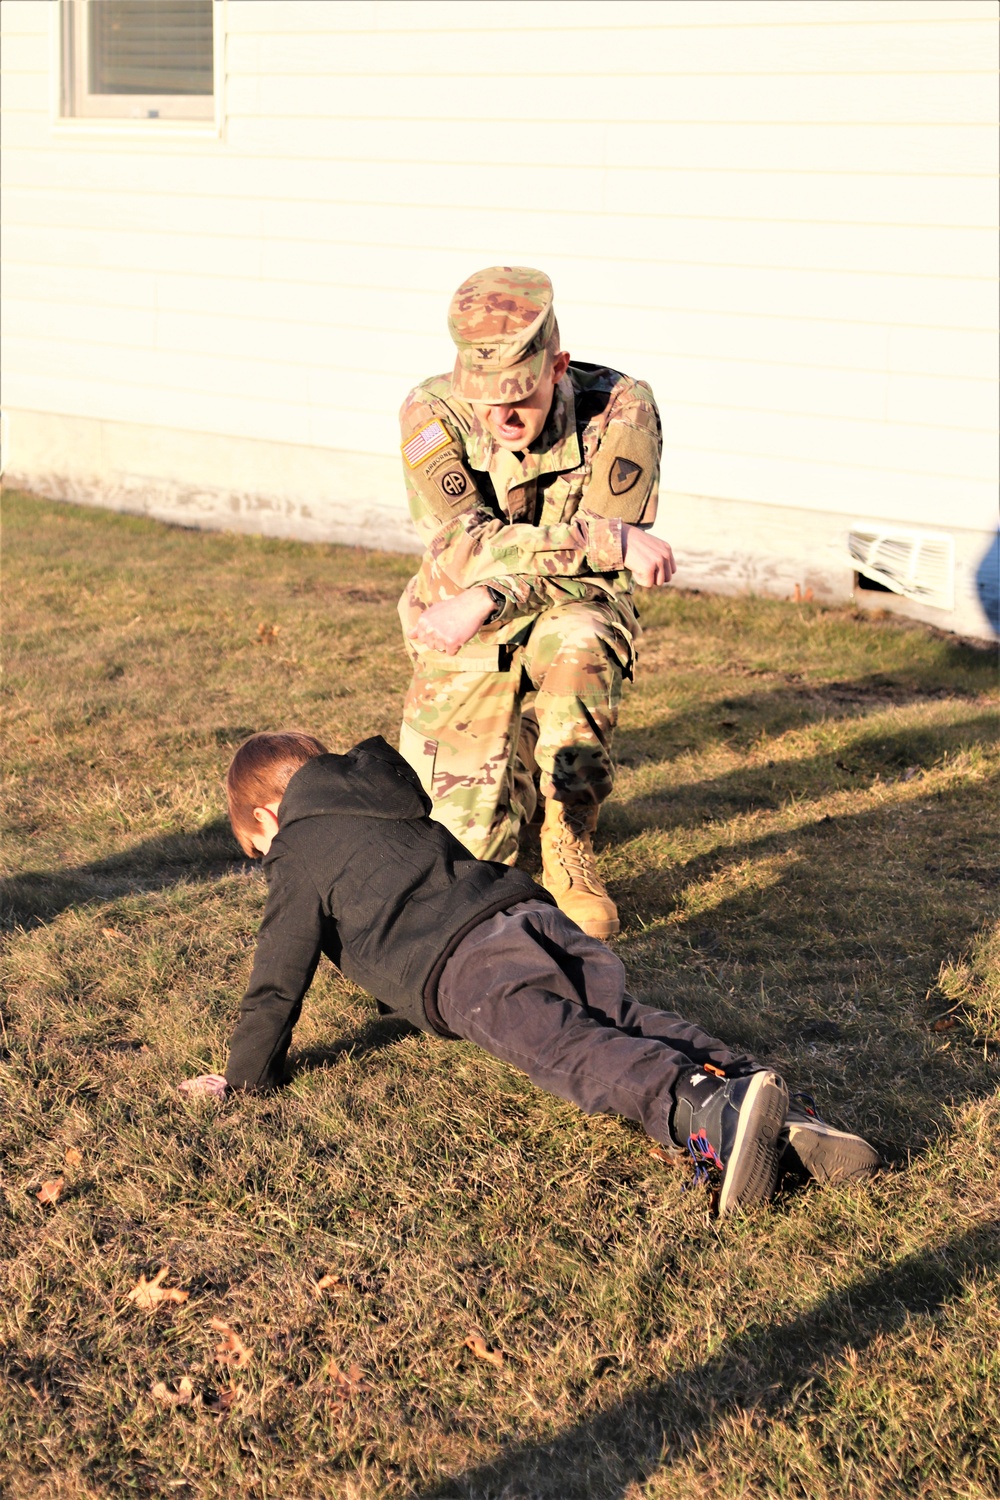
540	529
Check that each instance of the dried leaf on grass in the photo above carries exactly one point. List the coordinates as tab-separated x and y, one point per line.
224	1402
49	1191
346	1386
350	1382
232	1351
332	1284
664	1154
73	1157
479	1349
149	1294
183	1396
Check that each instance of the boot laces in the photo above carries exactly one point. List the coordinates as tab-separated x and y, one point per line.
576	858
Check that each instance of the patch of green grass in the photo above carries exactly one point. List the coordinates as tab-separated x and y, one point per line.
802	842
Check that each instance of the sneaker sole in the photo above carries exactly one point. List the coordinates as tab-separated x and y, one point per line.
752	1170
831	1155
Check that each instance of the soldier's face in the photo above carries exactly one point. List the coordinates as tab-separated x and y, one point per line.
516	427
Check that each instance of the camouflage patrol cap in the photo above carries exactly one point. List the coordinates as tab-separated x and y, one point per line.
501	320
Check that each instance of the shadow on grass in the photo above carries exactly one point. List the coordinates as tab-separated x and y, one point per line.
876	752
844	939
38	896
33	897
653	894
774	1370
772	711
380	1032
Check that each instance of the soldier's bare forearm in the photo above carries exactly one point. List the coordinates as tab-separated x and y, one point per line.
451	623
649	560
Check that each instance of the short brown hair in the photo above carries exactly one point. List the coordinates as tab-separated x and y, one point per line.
258	774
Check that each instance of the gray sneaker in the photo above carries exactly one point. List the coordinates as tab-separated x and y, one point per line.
732	1126
826	1153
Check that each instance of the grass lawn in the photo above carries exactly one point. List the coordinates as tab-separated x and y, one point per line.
803	845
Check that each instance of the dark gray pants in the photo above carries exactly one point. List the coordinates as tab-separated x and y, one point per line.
532	989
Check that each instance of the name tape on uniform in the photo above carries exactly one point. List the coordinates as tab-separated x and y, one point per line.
425	442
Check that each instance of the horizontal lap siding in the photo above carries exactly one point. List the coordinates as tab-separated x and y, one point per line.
780	214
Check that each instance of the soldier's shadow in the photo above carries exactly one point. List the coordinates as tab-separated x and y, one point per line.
776	1370
36	896
821	969
770	711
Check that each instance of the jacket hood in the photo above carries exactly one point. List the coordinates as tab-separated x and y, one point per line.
370	781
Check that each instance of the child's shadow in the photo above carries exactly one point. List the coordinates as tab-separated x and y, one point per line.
376	1034
36	896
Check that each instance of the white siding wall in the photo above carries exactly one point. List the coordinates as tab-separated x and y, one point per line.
780	212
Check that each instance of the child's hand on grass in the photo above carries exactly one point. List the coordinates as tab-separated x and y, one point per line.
212	1084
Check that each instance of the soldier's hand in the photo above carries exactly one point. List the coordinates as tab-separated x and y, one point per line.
447	625
649	560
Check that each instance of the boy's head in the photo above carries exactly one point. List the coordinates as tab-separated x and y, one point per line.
256	780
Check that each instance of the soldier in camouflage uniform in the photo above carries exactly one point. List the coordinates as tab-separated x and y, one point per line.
530	480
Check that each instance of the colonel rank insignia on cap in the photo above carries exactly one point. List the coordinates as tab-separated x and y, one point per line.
501	321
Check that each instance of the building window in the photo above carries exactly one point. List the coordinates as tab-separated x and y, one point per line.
138	59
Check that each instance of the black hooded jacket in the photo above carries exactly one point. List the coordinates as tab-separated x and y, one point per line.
358	871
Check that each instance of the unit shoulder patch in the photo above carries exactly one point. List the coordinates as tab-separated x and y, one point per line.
624	474
623	480
453	483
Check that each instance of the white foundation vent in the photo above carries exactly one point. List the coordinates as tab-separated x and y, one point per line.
918	564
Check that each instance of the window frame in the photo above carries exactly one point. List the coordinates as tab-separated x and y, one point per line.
76	110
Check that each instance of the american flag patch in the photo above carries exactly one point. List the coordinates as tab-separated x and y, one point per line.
425	442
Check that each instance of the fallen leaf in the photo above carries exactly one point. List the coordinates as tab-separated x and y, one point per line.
347	1386
232	1351
49	1191
479	1349
332	1284
226	1400
661	1153
149	1294
183	1396
73	1156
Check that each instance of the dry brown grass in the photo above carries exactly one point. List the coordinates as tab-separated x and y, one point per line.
802	841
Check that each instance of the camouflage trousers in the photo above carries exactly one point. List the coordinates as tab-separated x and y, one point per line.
461	729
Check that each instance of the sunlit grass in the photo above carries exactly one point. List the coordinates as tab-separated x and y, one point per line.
803	845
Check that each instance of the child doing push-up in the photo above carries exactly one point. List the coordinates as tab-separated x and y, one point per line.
466	948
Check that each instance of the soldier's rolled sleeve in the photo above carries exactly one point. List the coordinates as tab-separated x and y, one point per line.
605	551
510	556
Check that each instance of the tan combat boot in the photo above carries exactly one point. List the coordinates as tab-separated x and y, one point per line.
569	869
